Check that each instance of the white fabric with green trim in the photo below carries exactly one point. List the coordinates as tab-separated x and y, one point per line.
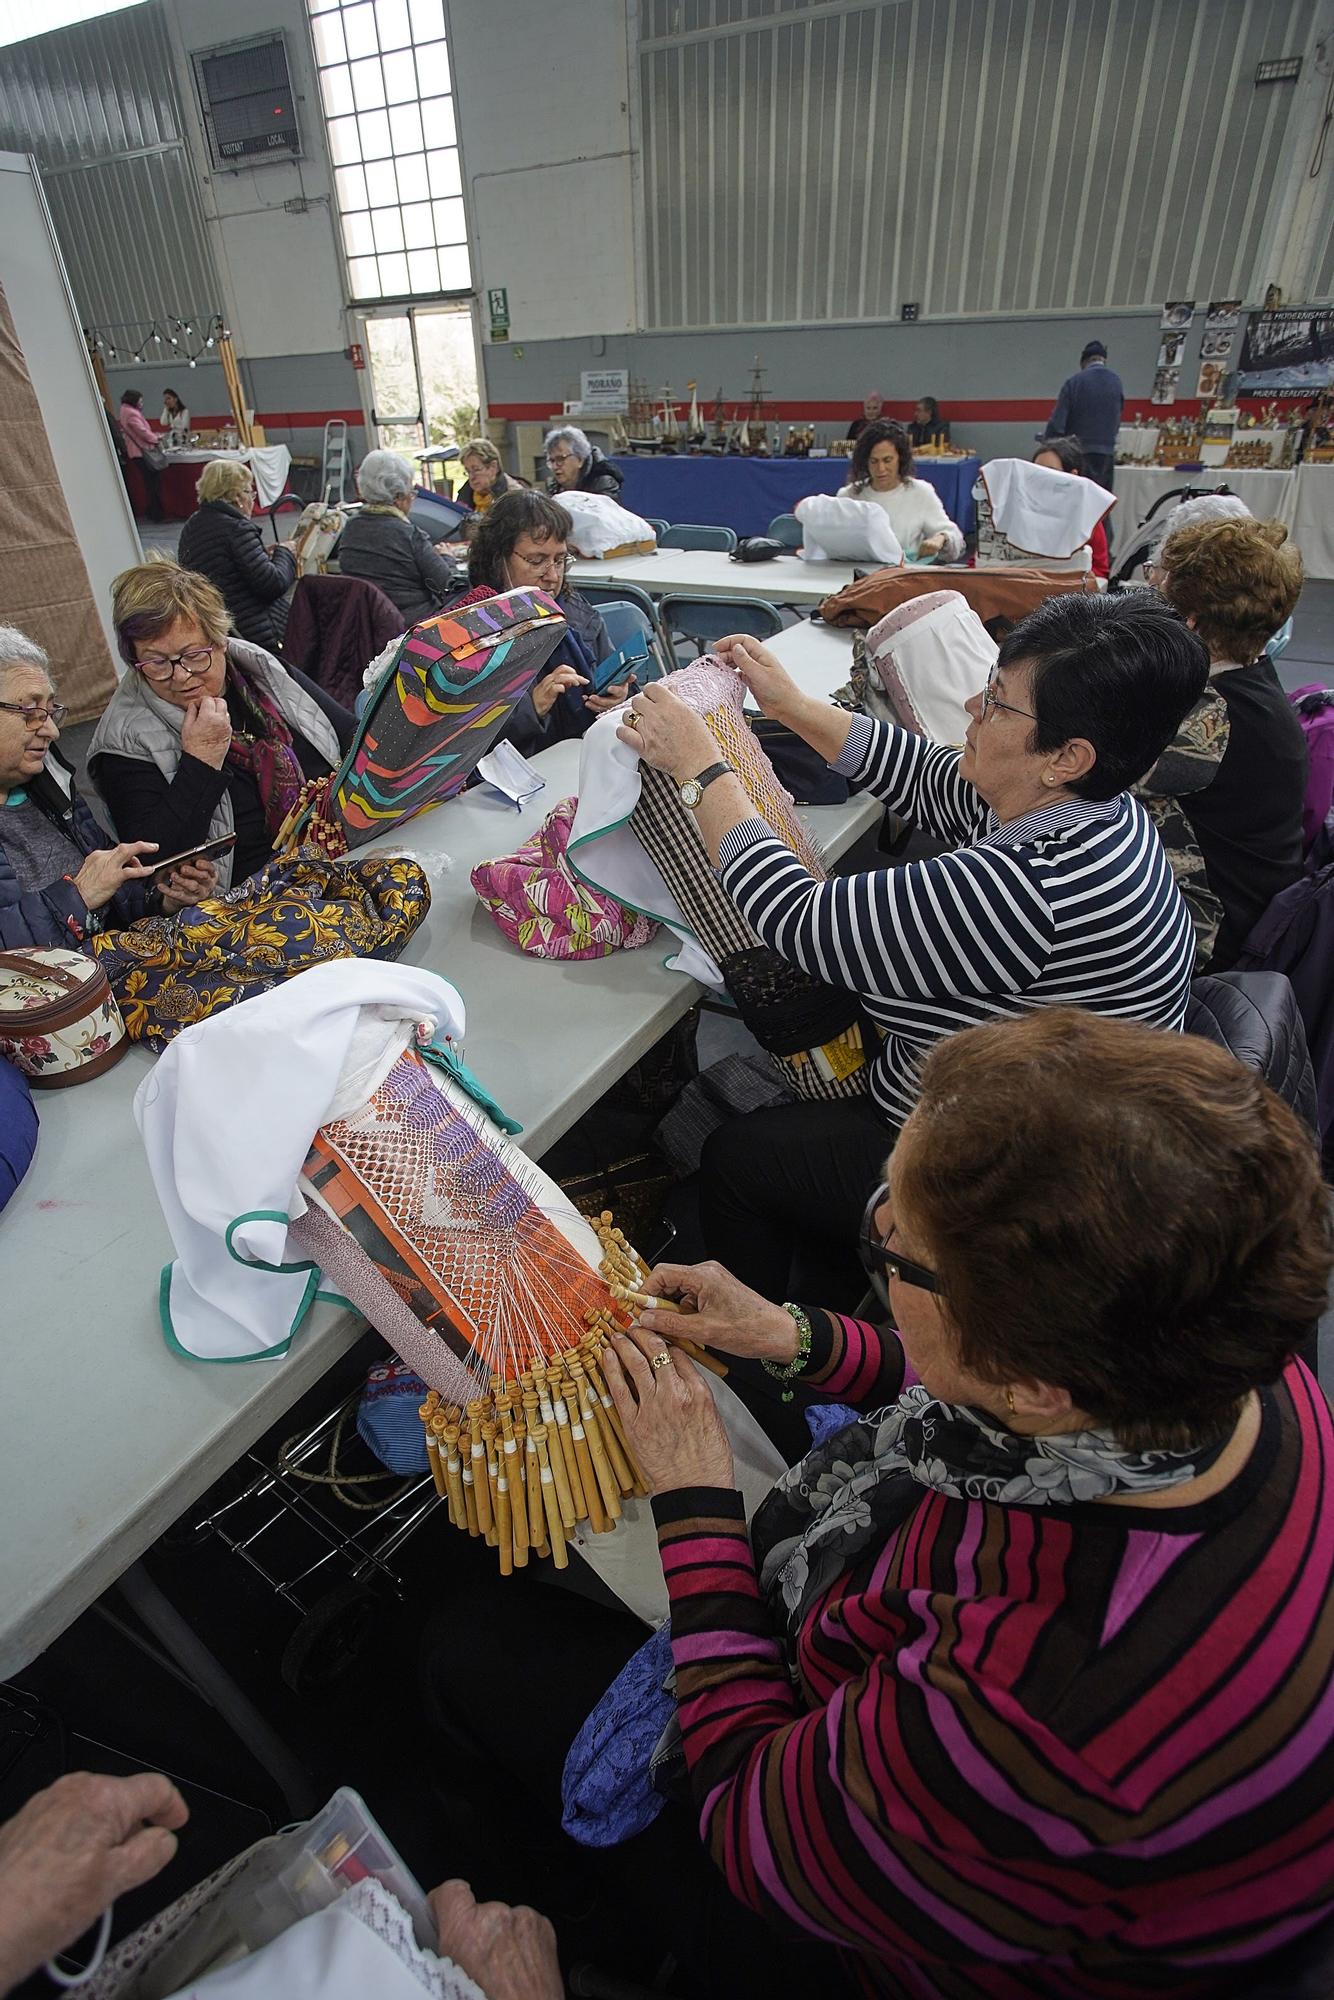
603	852
227	1118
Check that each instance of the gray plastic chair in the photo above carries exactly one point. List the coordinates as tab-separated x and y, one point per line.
626	623
786	528
702	621
689	535
659	527
603	594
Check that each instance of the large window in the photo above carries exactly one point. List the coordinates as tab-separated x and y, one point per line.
389	113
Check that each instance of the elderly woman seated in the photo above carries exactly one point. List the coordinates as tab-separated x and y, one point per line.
1018	1684
382	545
61	876
576	465
222	542
1236	581
487	479
1057	891
521	545
206	734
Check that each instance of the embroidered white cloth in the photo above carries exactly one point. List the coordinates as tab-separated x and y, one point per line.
1042	512
359	1946
227	1118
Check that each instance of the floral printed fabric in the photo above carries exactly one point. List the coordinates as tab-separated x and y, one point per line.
540	906
168	972
854	1491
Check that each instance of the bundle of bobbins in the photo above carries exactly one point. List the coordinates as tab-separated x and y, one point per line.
544	1451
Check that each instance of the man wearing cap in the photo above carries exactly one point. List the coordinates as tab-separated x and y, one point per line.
1089	408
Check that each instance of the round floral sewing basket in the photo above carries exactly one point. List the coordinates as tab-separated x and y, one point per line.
59	1022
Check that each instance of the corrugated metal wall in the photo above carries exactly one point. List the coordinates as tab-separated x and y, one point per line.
97	104
805	161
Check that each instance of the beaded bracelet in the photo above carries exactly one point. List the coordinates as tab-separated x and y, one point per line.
786	1371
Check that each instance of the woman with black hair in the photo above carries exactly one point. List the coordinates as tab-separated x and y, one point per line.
520	544
882	471
928	426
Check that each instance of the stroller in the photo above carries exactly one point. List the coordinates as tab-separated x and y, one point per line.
1144	538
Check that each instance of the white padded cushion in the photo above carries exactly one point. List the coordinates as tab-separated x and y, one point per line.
933	663
846	531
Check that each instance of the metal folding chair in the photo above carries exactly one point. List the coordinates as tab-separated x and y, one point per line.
702	621
627	625
689	535
786	528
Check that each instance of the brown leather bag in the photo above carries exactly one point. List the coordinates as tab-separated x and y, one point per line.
1007	592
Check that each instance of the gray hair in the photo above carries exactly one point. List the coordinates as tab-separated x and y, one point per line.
1203	507
18	650
383	476
575	439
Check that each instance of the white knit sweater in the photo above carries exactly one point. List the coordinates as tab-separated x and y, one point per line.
914	512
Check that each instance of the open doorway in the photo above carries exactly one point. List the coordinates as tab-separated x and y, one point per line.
422	362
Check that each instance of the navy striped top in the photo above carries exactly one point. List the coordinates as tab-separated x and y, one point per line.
1072	905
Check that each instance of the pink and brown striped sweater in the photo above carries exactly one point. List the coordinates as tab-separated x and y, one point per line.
1082	1750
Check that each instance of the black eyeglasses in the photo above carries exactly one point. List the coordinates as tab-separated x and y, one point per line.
161	667
35	713
880	1262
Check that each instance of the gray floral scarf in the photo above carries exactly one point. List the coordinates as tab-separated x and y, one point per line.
852	1492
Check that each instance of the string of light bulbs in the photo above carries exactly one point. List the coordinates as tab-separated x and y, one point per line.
172	337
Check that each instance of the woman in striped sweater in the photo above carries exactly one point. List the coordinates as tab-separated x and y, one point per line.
1025	1685
1057	891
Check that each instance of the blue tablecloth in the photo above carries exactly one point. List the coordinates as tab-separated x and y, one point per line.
746	493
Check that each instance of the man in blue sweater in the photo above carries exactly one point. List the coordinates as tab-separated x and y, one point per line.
1089	408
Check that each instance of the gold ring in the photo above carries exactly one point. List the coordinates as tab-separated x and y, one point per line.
663	1360
630	719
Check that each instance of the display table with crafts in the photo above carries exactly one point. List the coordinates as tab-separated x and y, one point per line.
105	1436
746	494
269	463
1302	499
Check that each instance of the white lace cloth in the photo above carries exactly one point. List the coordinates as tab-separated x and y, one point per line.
362	1945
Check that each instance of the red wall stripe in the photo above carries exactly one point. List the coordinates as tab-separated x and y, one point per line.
997	411
282	420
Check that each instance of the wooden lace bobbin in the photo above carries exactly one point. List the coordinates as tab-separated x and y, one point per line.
598	1518
555	1455
634	1481
438	1427
613	1441
458	1505
629	1296
550	1500
549	1380
591	1419
426	1411
500	1501
493	1470
537	1513
467	1492
476	1474
512	1482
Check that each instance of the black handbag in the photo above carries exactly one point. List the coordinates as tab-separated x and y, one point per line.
799	769
759	548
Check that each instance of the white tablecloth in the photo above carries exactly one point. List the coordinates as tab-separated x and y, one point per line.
270	464
1302	500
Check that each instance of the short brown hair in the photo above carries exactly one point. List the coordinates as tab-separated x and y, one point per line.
147	599
224	479
514	514
1237	579
481	448
1121	1212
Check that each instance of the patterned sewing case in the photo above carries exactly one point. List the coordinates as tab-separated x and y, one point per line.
438	709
